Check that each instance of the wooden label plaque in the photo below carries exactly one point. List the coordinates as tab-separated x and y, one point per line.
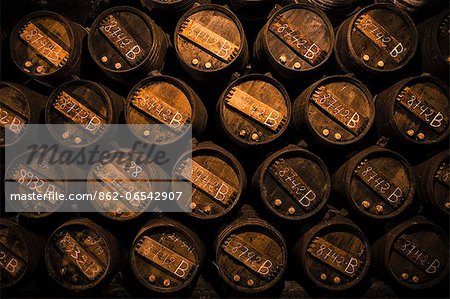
211	42
376	181
44	45
335	257
165	257
12	120
304	47
344	115
255	109
10	262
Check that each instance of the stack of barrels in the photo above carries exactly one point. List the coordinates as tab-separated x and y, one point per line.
319	129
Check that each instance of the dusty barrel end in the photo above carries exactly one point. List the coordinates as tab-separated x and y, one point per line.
20	254
125	184
206	61
293	183
377	183
126	44
218	181
19	106
336	111
157	243
81	256
432	178
414	111
88	108
334	255
434	41
47	47
169	104
379	40
254	110
414	254
297	40
251	255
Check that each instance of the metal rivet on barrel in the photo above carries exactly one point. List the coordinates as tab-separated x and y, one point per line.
447	205
255	137
28	63
366	57
152	278
250	282
326	132
77	140
277	202
336	280
195	61
380	64
297	65
236	278
104	59
416	279
118	65
323	276
365	204
410	132
39	69
193	205
208	65
207	209
242	133
65	135
337	136
404	276
421	136
166	282
291	210
379	208
283	59
146	133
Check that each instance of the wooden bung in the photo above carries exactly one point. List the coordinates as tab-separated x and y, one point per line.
292	183
47	47
210	43
254	110
335	111
376	183
297	39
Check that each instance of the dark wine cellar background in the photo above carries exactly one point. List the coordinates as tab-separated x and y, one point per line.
294	283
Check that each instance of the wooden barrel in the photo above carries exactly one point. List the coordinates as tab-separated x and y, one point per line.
34	173
334	255
250	255
414	254
434	41
377	183
413	7
254	110
88	105
166	256
432	179
19	254
164	100
379	40
81	256
218	180
119	181
19	106
335	111
414	111
47	47
251	11
126	44
297	39
210	42
293	183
